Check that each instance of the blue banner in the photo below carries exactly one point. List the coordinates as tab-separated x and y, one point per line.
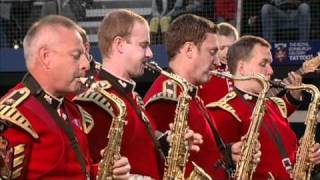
294	53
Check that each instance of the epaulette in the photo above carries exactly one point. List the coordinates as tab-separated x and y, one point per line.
92	95
281	105
169	92
87	121
10	113
223	104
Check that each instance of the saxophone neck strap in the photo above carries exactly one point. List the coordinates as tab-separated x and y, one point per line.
140	114
225	150
273	133
66	125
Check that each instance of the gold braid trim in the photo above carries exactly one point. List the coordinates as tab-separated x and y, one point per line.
223	104
10	113
138	99
18	158
169	92
281	105
87	121
92	95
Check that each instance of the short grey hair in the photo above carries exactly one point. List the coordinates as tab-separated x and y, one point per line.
34	31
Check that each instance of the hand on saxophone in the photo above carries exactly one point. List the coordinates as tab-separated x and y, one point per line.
314	154
194	139
294	79
121	169
257	154
236	150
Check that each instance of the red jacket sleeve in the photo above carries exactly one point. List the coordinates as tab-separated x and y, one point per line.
102	122
228	127
16	147
162	112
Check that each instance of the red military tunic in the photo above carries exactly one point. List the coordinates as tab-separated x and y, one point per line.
161	102
216	88
232	116
35	146
136	145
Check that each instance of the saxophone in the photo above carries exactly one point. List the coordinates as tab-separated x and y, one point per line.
303	168
112	151
245	166
178	152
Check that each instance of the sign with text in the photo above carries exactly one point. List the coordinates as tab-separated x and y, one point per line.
294	53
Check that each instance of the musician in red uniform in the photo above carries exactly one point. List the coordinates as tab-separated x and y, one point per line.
124	43
191	44
46	133
209	92
232	113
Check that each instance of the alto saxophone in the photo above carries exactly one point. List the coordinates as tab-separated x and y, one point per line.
303	167
245	166
178	152
112	151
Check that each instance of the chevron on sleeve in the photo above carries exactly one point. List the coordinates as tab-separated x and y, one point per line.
87	120
18	159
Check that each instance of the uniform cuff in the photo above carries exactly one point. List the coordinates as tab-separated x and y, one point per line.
292	100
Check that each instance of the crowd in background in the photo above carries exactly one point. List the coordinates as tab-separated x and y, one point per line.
261	18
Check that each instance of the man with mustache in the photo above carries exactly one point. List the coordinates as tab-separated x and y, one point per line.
46	134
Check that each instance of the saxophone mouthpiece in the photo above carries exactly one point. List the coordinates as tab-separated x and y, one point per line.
221	73
152	66
278	83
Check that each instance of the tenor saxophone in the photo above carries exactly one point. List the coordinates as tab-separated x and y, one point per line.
245	166
178	152
112	151
303	167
